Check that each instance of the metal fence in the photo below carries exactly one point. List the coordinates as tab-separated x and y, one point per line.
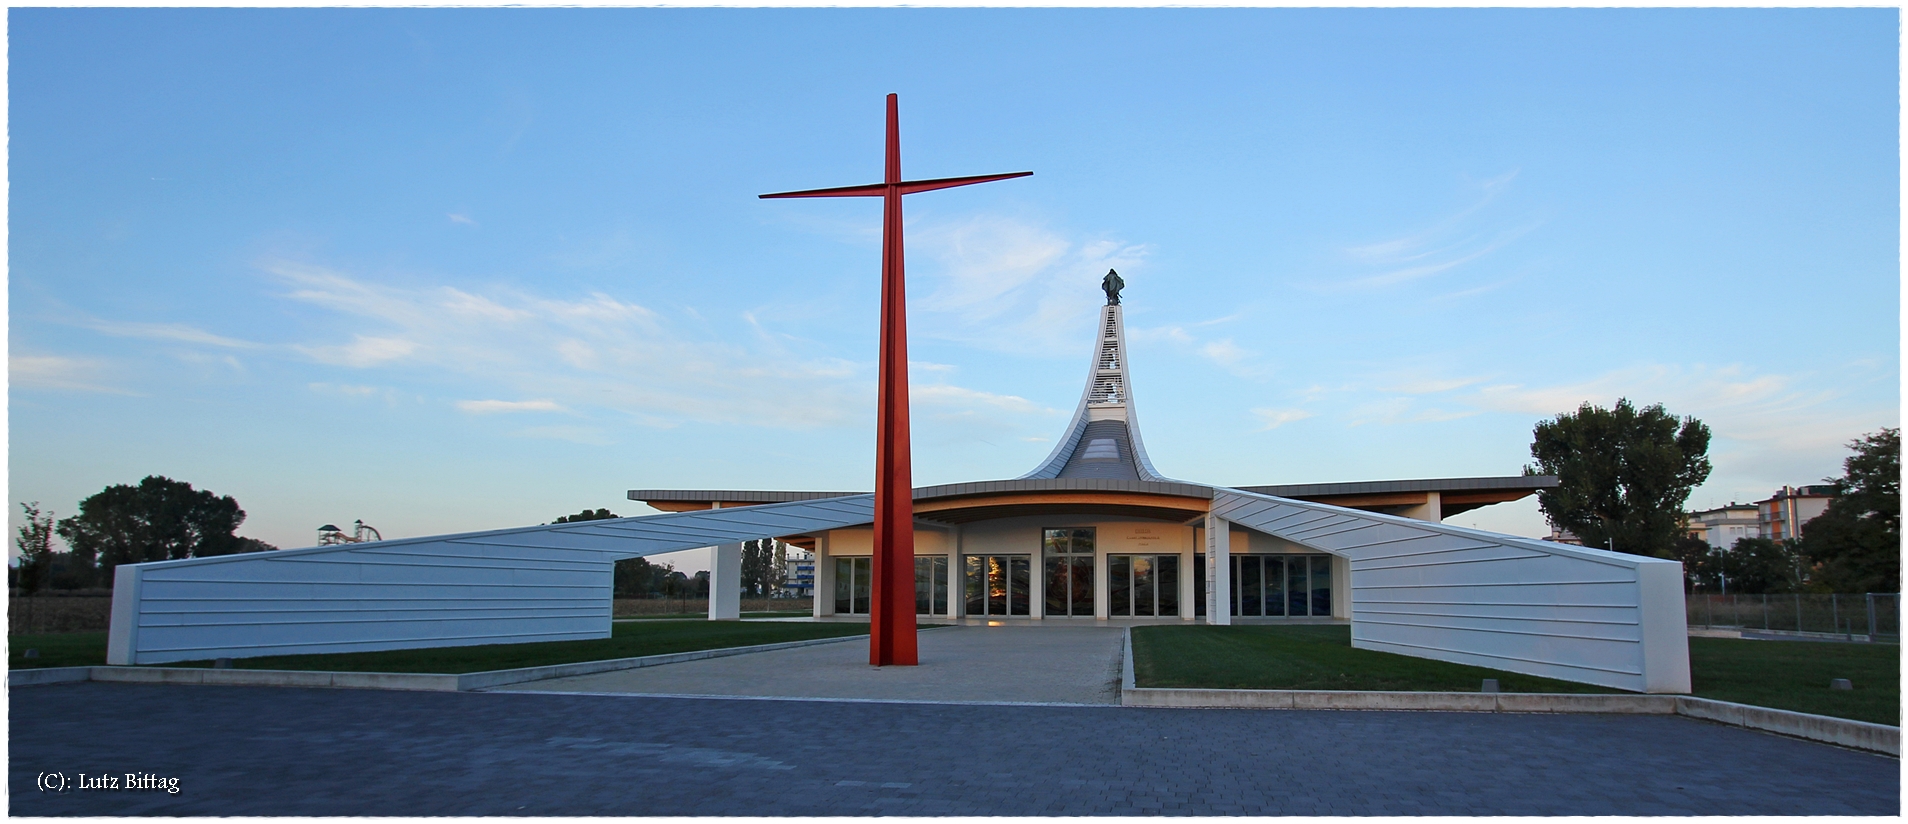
1875	616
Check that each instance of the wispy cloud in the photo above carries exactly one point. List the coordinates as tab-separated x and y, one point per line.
1016	286
1275	418
596	353
461	218
486	407
176	332
1448	244
76	374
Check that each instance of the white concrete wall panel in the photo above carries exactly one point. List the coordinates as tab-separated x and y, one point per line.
542	583
1437	591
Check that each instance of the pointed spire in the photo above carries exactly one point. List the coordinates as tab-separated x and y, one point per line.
1103	440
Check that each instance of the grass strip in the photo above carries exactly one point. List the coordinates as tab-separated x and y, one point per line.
65	649
1302	657
1794	675
627	640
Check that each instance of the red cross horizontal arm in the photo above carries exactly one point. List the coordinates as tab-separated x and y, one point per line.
891	610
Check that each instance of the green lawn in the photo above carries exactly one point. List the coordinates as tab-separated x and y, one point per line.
627	640
1794	675
67	649
1304	658
1790	675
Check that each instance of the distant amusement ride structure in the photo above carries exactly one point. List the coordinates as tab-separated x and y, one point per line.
1094	533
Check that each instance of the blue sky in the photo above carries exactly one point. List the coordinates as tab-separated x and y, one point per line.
447	270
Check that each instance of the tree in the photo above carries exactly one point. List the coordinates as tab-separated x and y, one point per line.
1756	566
1855	545
587	515
35	542
160	519
1624	474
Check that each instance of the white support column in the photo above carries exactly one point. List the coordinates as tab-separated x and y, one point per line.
824	577
725	583
1218	571
1189	567
1102	586
1431	510
954	591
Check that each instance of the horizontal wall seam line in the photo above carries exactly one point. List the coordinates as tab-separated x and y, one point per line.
589	636
1637	673
1356	587
151	581
1506	632
368	621
1531	557
1361	611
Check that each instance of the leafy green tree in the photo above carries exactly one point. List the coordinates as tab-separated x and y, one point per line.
1756	566
1624	474
1855	545
35	542
160	519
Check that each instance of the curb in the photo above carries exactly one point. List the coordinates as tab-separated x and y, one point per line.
433	682
1859	735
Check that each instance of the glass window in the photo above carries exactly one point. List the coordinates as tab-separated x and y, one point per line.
1019	584
1321	585
976	584
1274	586
1119	579
1296	586
930	584
854	577
1143	592
1167	567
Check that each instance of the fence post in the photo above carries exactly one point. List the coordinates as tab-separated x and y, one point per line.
1765	611
1798	612
1835	613
1870	597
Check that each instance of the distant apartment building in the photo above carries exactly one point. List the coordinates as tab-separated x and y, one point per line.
798	576
1782	516
1723	526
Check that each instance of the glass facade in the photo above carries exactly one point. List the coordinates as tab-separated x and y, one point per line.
854	584
998	584
854	579
1069	571
1281	586
930	584
1142	585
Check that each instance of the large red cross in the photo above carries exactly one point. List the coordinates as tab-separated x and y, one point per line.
891	613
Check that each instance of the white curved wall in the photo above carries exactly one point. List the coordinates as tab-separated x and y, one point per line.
543	583
1517	604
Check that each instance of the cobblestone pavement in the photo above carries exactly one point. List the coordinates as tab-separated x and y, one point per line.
267	751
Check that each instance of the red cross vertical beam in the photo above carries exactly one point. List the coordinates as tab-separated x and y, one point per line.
891	613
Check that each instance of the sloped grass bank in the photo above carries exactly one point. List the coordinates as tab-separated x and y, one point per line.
1305	658
1794	675
627	640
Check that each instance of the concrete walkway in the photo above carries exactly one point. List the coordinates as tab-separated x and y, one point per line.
1041	664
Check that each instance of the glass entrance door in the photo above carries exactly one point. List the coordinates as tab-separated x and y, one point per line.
999	584
854	585
1142	585
930	585
854	580
1069	572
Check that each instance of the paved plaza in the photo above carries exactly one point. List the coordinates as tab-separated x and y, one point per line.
280	751
1042	664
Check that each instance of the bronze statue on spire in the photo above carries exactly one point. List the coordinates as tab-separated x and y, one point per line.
1112	284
